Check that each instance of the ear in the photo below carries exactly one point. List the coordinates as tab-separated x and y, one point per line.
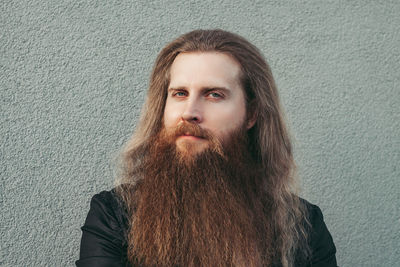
251	115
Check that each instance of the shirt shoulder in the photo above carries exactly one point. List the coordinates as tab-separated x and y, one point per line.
103	240
320	241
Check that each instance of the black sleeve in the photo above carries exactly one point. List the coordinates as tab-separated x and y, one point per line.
103	242
323	250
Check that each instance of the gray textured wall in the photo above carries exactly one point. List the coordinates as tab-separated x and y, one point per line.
73	76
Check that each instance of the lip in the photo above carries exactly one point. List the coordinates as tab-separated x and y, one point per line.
191	137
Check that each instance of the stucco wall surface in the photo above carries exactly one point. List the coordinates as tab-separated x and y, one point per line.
73	76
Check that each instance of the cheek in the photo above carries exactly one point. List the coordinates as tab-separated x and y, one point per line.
224	120
171	116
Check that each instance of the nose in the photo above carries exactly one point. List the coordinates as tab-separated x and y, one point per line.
192	112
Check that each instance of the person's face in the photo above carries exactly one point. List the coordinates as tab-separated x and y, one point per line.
205	89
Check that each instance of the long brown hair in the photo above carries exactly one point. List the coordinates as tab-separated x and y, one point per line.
268	139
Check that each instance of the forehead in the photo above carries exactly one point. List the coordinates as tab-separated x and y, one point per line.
207	68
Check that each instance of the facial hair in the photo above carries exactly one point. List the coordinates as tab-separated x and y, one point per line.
201	209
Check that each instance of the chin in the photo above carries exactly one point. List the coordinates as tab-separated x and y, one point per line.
190	148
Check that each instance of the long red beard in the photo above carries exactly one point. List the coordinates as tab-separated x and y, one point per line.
199	210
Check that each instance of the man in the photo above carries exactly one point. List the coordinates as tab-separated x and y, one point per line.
208	175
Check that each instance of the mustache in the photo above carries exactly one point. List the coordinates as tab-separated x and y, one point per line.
187	128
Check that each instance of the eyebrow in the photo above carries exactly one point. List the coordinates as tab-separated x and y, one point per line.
204	89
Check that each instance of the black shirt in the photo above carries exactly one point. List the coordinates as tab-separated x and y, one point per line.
104	235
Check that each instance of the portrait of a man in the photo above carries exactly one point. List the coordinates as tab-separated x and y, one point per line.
200	133
208	178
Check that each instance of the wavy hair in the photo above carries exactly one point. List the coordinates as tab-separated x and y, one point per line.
269	139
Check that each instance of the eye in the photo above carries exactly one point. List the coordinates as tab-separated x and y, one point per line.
215	95
179	93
